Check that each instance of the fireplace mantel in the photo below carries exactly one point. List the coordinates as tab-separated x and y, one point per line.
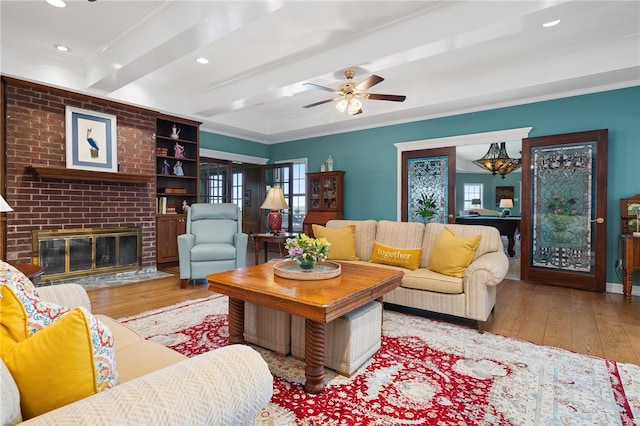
61	173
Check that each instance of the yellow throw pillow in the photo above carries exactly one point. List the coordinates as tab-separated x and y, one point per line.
406	258
61	363
452	254
342	240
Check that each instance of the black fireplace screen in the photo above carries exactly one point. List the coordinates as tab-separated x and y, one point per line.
70	253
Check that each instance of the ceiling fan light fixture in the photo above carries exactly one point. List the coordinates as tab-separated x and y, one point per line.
354	106
342	105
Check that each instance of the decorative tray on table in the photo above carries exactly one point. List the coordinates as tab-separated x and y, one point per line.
322	270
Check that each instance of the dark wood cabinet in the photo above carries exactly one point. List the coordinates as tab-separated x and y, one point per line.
629	209
177	168
168	227
325	199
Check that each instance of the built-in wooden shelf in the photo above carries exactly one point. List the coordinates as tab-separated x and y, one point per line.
61	173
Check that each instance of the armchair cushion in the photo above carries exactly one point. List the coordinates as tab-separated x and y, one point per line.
214	231
212	251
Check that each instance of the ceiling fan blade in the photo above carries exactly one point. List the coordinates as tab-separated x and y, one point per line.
379	97
320	103
369	82
325	88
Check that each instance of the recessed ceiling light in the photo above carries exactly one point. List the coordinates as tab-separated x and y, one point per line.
202	60
551	23
57	3
61	48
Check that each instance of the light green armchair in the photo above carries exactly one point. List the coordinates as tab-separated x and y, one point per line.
214	241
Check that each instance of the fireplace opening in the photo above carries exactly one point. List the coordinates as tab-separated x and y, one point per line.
70	253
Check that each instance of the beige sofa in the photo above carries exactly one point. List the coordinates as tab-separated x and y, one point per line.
158	385
473	296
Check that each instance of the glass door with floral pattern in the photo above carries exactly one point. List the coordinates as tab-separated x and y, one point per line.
428	185
564	234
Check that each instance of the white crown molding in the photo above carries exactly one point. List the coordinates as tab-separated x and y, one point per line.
229	156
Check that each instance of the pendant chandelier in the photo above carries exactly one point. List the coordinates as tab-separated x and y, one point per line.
497	161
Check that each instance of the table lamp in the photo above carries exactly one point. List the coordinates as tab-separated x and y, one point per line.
506	204
275	202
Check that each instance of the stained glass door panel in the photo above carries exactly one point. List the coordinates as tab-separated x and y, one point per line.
563	215
428	182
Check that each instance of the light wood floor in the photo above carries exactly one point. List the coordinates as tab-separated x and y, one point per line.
598	324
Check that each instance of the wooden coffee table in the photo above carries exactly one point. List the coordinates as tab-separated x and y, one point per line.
319	302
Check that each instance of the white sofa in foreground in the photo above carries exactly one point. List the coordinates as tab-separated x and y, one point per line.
471	296
159	386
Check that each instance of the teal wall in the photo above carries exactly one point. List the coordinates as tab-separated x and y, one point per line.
230	144
369	158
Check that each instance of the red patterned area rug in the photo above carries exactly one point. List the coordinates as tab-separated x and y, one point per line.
426	373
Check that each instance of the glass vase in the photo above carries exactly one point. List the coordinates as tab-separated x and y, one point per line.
306	264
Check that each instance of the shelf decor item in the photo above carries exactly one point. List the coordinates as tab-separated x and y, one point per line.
175	132
307	251
329	164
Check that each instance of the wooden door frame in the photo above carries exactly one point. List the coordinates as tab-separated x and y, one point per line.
568	279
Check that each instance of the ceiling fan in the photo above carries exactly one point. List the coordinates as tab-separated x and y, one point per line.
350	93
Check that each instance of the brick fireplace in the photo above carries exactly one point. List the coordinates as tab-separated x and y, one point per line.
34	122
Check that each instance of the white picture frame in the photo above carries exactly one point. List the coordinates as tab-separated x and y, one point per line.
91	140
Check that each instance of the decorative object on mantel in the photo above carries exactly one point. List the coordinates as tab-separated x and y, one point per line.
307	251
4	206
497	161
61	173
91	140
165	167
275	202
175	132
290	269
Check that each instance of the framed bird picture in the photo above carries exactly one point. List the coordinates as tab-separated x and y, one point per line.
91	140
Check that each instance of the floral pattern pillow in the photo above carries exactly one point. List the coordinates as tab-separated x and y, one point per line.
36	314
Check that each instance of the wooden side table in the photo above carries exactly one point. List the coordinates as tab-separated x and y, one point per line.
630	262
31	271
265	239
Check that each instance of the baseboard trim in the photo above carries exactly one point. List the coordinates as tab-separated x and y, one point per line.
619	289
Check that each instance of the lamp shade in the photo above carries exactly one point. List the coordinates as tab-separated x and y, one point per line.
506	203
4	207
275	201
